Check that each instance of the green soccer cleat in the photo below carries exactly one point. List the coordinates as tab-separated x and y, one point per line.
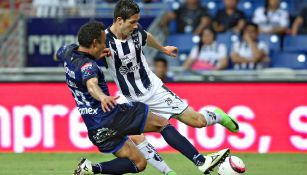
171	173
213	160
84	167
228	122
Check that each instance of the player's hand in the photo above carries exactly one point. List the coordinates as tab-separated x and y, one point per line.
171	51
105	52
108	103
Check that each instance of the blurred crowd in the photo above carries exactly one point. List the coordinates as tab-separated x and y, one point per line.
248	51
196	17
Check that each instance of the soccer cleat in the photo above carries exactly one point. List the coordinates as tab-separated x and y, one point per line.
84	167
212	160
171	173
228	122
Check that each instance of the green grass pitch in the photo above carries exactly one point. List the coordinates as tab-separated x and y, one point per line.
64	163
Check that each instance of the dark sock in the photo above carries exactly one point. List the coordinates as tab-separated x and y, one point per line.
115	166
181	144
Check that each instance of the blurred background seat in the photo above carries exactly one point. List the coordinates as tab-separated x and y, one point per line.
296	44
289	60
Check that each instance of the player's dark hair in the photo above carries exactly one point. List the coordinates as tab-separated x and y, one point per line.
161	59
90	31
125	9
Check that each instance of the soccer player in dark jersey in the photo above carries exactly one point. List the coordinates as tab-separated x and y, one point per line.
109	123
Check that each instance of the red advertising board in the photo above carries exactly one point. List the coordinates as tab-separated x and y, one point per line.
273	117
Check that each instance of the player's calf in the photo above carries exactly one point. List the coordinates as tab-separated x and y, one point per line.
208	118
193	118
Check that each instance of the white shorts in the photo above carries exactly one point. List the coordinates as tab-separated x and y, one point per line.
163	102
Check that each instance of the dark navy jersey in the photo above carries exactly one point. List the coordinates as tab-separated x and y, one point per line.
80	67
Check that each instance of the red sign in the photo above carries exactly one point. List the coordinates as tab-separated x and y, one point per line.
272	116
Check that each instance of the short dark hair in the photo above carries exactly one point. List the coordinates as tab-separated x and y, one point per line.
90	31
125	9
161	59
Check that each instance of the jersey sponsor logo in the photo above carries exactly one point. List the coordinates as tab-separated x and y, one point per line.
103	134
71	84
69	72
89	111
124	69
126	59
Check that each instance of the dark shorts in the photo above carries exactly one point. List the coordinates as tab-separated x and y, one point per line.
128	119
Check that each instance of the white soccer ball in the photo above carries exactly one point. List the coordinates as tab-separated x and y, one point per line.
232	166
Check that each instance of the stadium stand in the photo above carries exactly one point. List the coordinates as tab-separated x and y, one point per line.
295	44
289	60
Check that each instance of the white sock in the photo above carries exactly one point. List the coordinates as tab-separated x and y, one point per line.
211	118
152	156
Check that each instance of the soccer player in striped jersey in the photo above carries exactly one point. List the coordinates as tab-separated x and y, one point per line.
109	123
137	82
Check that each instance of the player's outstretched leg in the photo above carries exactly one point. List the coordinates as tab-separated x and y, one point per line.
212	160
177	141
84	167
130	160
207	118
227	121
151	155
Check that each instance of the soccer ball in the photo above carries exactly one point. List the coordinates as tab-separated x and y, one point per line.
232	166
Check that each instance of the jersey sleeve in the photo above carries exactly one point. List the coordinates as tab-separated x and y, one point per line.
64	52
89	70
60	53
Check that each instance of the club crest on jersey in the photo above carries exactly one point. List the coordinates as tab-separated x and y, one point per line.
86	66
135	34
86	69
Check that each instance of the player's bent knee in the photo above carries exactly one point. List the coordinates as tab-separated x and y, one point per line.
162	123
137	139
141	163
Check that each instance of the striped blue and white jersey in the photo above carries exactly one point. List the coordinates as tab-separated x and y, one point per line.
128	66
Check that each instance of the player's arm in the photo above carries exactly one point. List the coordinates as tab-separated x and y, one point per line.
58	53
168	50
96	92
55	57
